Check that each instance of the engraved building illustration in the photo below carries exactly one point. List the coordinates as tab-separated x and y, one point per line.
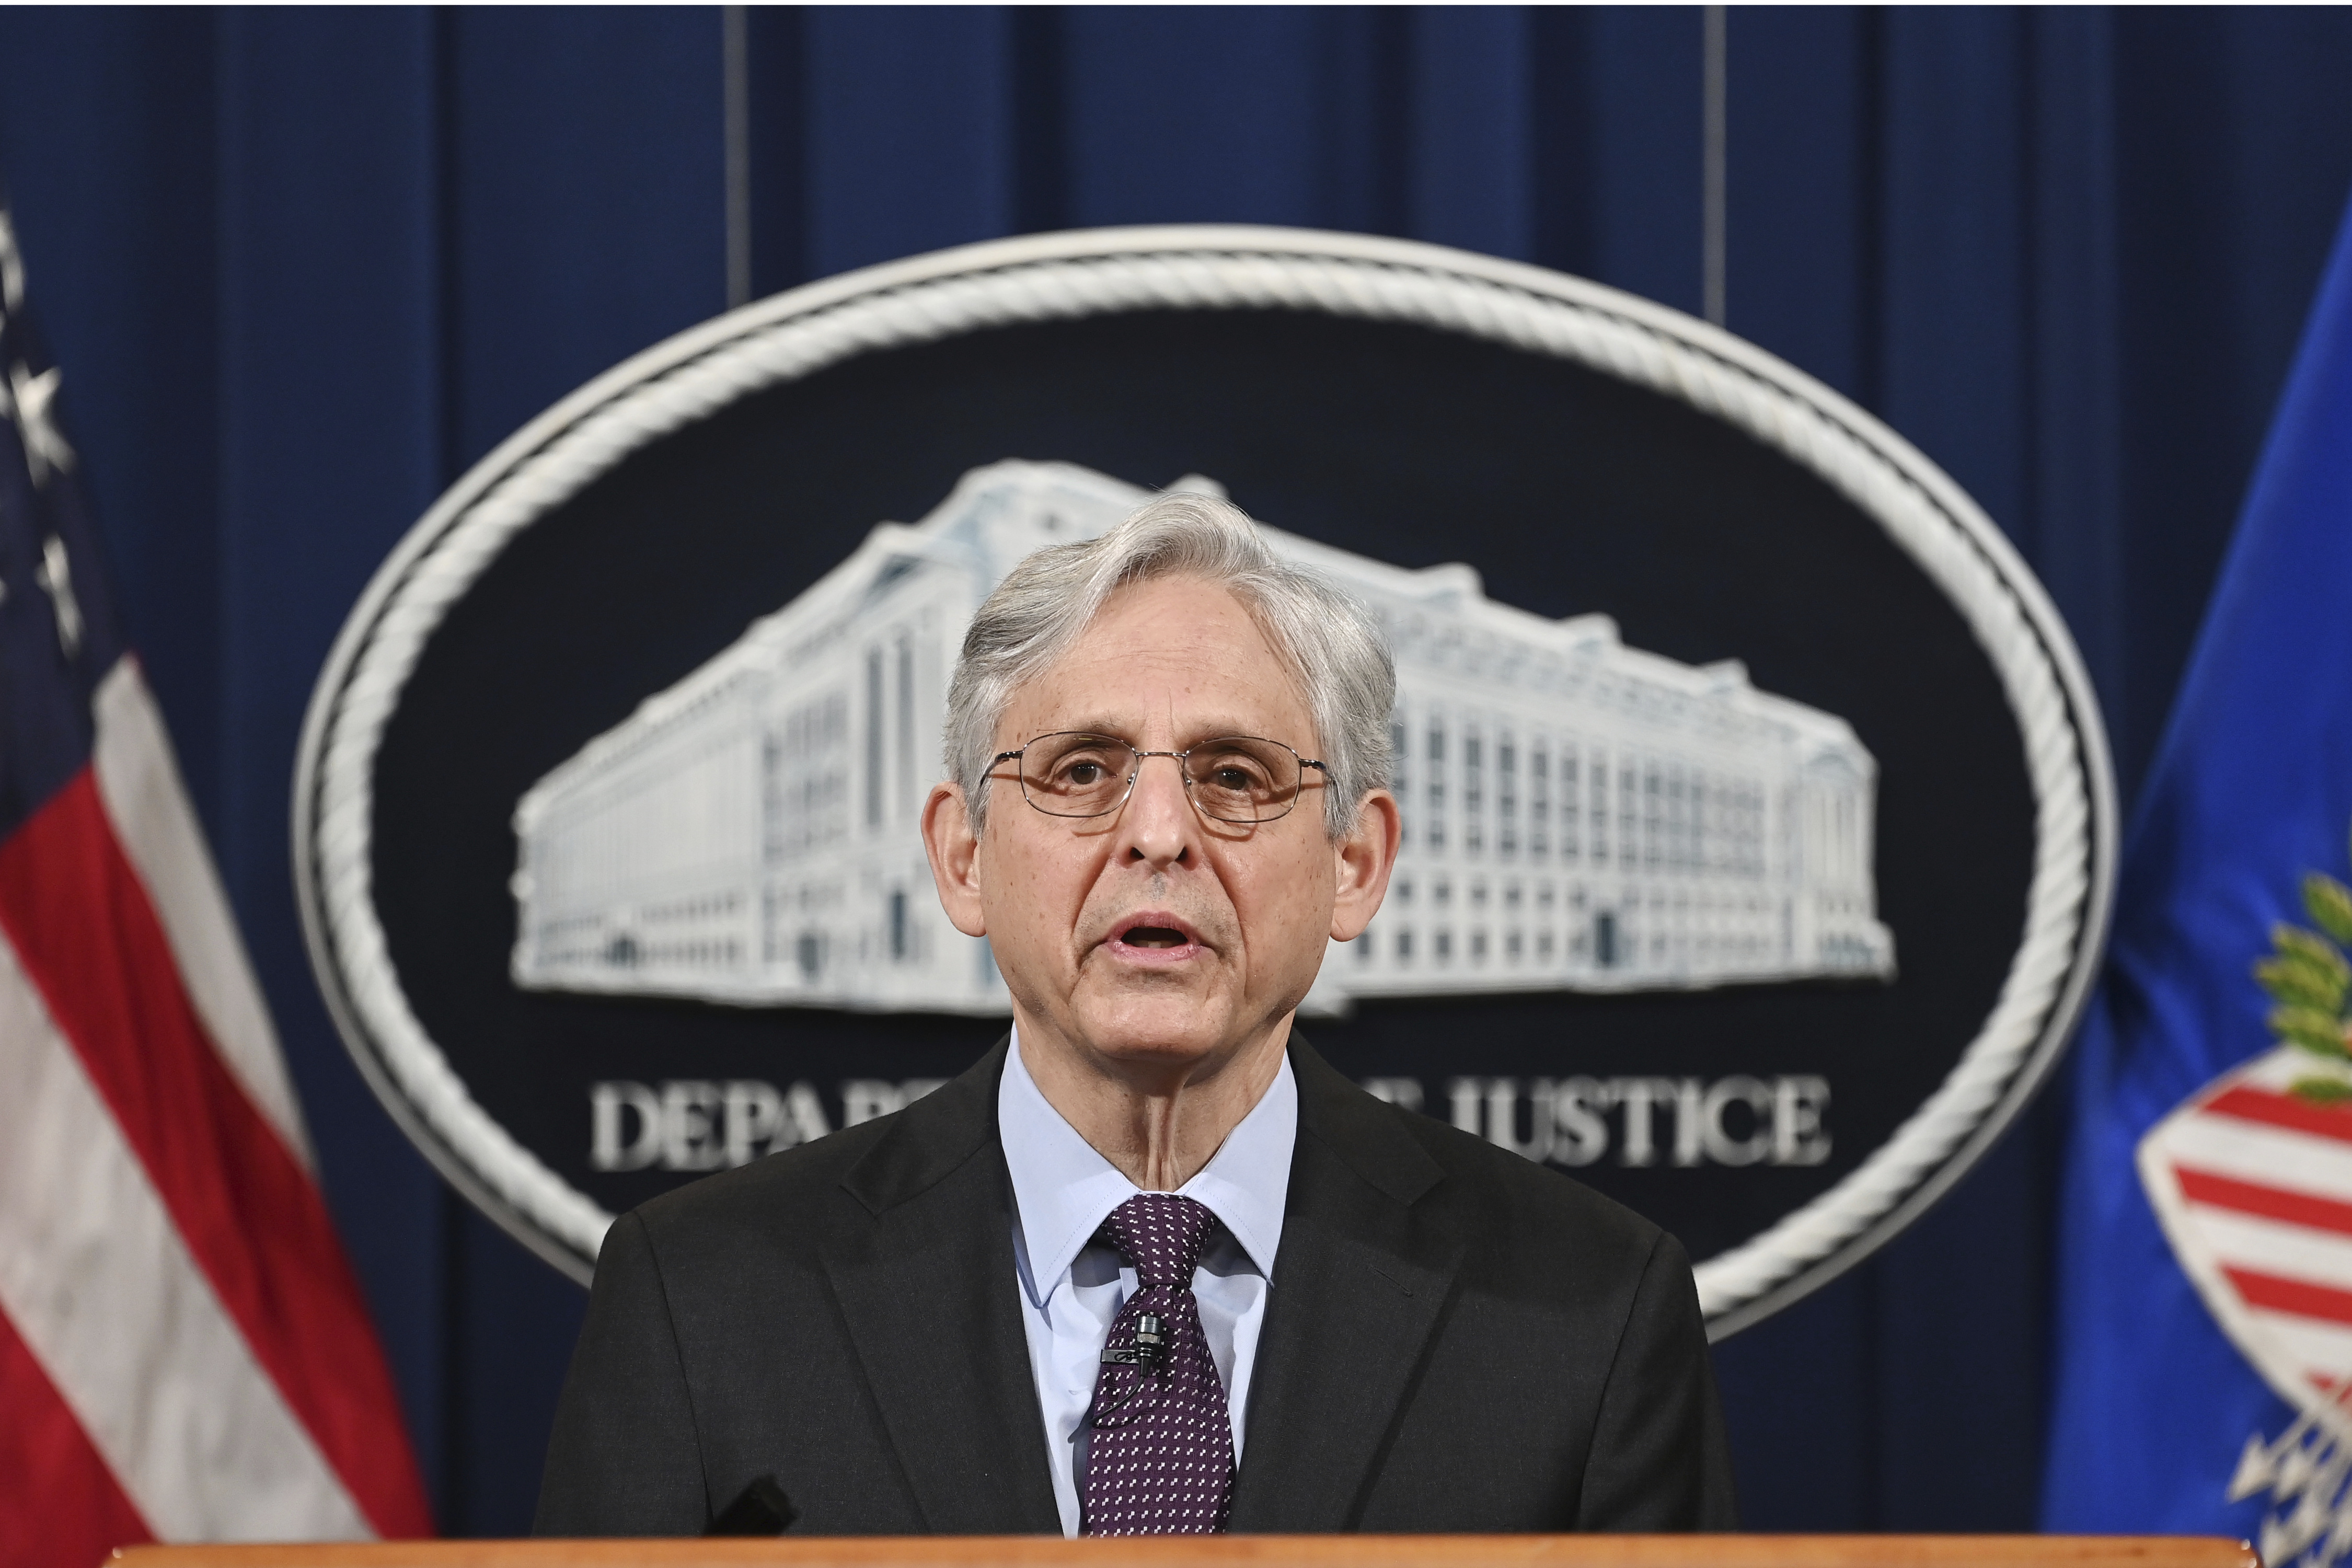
1579	814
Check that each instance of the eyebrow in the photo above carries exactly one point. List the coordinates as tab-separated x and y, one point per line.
1121	732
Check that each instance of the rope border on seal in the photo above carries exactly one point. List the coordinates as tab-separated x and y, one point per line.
1084	273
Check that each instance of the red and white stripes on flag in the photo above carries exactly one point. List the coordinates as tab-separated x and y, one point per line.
185	1353
2252	1185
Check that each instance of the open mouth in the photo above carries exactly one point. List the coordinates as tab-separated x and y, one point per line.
1154	934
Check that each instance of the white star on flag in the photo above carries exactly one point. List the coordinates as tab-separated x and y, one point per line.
35	396
55	574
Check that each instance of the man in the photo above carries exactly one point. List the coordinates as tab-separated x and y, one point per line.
1151	1265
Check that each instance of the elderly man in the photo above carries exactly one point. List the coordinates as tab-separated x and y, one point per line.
1150	1266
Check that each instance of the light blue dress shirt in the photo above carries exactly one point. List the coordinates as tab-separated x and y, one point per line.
1071	1289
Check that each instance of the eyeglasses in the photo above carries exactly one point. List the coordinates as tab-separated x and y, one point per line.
1235	778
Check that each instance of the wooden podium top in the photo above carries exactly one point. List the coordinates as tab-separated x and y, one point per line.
1220	1550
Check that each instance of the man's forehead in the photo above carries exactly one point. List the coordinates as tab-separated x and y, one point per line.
1179	654
1130	708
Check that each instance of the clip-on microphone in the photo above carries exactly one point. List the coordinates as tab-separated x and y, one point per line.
1150	1347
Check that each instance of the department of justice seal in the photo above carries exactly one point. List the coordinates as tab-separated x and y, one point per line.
1759	833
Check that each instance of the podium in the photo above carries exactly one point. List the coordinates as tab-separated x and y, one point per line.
1243	1552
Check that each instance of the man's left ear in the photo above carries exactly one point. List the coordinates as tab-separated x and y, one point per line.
1365	857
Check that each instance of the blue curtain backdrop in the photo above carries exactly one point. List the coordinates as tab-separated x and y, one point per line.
303	267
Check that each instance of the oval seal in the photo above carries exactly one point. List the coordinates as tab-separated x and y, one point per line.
1759	827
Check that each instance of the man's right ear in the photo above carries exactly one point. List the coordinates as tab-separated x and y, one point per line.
954	851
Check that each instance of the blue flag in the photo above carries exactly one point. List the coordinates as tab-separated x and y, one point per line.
2203	1343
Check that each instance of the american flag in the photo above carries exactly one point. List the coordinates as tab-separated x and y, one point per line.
184	1354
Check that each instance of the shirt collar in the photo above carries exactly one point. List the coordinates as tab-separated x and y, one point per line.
1064	1189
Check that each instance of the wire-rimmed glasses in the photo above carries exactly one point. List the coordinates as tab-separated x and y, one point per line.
1243	779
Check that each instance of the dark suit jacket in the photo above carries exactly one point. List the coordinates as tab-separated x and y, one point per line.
1457	1340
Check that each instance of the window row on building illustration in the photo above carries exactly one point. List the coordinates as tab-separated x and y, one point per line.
814	924
1463	790
1600	940
1636	927
629	950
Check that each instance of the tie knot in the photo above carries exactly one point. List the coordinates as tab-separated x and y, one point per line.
1162	1234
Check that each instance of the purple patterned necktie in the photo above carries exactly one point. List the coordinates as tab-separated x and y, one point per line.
1160	1455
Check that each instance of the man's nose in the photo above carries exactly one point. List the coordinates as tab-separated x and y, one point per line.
1158	827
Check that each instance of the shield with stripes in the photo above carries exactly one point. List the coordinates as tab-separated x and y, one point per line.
2253	1186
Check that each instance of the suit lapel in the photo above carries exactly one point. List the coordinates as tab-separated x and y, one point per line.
1357	1290
924	1274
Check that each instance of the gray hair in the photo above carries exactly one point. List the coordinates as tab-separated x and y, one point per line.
1330	642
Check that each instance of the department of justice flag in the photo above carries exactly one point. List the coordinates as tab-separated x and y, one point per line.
2204	1327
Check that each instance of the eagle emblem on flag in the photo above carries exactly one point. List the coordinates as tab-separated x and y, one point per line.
2252	1182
